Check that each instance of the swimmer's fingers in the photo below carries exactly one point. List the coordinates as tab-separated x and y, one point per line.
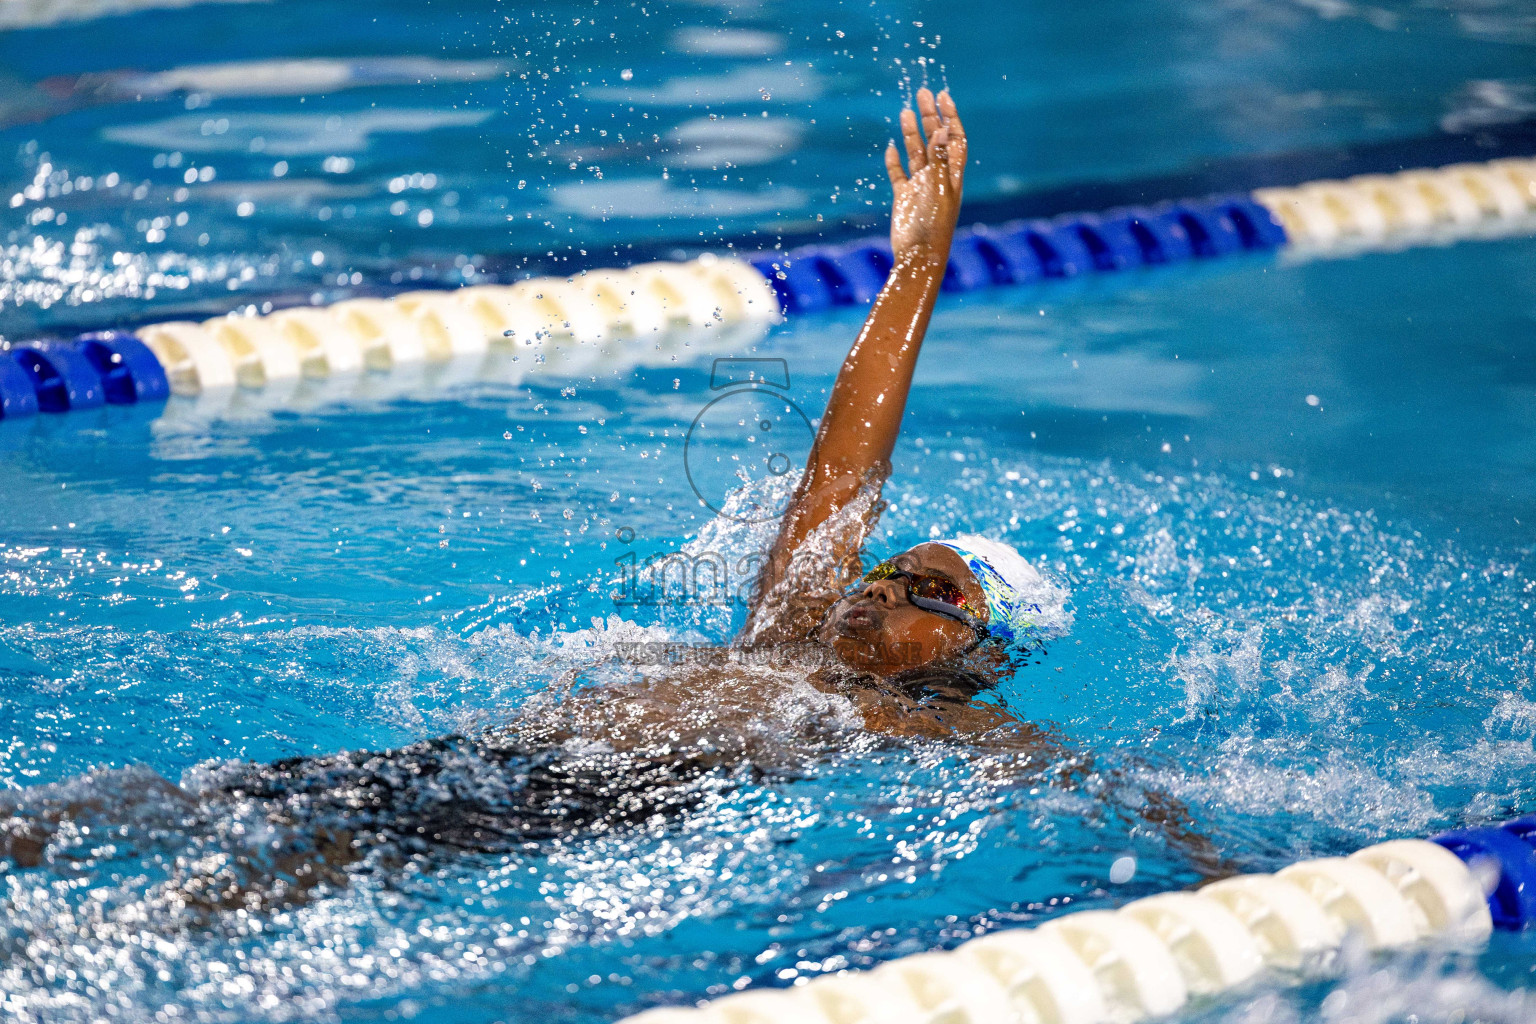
916	161
893	167
951	115
929	111
958	147
939	156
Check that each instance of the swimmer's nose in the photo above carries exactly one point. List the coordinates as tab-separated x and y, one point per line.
887	593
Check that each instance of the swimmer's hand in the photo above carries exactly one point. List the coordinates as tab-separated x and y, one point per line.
927	198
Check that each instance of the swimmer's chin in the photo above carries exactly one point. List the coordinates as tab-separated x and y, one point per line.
863	652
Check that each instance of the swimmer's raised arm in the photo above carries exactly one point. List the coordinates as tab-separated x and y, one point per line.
863	417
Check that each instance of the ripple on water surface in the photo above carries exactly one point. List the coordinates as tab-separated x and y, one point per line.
1309	678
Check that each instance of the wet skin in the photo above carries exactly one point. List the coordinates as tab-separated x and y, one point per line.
878	630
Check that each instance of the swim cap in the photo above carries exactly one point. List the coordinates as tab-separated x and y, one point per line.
1014	588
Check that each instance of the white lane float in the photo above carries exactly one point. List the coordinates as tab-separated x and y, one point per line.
1147	959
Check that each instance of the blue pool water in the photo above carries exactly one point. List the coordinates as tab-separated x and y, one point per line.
1290	502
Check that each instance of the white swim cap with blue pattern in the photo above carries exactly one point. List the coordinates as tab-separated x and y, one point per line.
1020	602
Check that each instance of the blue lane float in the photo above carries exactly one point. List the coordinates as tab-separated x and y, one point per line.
102	368
1510	849
129	371
61	376
817	277
18	396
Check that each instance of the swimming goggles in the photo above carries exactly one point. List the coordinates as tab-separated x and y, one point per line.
928	591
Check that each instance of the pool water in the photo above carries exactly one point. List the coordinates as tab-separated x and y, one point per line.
1290	502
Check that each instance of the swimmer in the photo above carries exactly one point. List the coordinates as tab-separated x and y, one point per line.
902	650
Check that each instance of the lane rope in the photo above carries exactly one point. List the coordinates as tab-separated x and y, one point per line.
1150	957
423	341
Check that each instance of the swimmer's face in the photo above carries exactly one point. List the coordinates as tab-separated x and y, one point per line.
876	629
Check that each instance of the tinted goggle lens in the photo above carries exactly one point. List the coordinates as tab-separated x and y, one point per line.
931	588
936	588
